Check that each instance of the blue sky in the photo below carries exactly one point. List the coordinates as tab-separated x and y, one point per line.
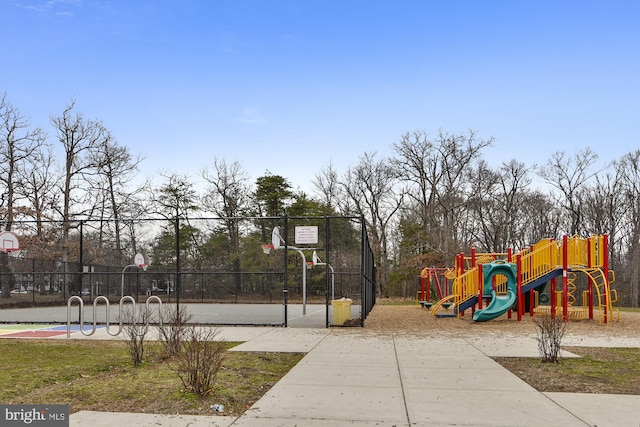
290	85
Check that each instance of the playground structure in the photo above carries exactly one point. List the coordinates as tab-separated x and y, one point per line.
508	281
435	280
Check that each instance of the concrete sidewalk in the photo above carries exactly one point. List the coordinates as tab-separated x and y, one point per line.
360	378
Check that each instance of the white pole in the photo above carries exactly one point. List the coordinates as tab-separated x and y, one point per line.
122	285
333	283
304	279
277	240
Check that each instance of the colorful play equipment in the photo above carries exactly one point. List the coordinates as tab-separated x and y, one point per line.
506	282
434	280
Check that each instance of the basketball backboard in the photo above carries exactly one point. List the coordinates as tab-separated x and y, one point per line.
276	239
9	242
140	261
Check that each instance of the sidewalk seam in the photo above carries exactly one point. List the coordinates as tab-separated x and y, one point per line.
539	392
404	396
563	408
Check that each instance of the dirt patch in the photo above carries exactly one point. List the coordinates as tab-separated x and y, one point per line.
414	318
599	370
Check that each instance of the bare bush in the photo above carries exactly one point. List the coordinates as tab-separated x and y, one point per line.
172	328
199	360
550	333
135	326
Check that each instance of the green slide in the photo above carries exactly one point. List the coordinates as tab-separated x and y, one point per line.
497	307
499	304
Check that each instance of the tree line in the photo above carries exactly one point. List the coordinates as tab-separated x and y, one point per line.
433	197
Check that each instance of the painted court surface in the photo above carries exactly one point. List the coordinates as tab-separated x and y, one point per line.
37	331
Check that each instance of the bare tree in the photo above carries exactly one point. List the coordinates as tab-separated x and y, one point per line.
438	171
229	197
604	209
543	219
37	186
327	186
176	199
112	185
18	143
569	175
629	167
371	187
229	192
79	138
484	201
601	207
496	198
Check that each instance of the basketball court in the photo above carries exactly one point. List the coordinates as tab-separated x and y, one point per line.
40	322
276	284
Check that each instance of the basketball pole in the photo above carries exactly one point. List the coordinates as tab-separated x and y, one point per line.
122	285
277	238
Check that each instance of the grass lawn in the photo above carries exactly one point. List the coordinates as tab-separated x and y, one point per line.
100	376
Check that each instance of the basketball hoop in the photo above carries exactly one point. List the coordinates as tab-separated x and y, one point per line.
143	266
310	265
267	248
9	242
10	251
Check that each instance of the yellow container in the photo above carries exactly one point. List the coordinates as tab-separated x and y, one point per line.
341	310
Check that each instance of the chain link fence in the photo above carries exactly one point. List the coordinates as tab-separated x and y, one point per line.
193	260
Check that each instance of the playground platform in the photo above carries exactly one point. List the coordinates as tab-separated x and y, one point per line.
351	376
